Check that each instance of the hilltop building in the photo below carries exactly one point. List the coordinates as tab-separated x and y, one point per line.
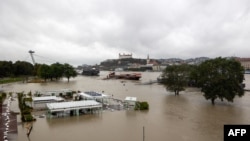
125	56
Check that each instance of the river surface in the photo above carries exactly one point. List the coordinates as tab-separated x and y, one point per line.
187	117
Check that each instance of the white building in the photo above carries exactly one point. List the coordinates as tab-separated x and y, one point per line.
99	97
73	108
125	56
40	102
62	92
130	101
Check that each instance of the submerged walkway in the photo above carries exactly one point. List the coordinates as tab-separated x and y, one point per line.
8	122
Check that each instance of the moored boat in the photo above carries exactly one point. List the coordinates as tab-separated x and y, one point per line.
90	72
129	76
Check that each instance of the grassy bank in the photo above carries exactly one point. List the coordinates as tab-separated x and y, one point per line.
11	80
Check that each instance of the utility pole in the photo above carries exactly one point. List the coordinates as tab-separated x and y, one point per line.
32	57
143	133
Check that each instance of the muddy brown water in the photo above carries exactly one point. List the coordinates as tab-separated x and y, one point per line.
187	117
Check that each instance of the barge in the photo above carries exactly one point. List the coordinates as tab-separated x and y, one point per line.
129	76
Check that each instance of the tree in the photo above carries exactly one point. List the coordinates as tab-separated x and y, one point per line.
36	68
69	71
57	70
193	76
23	68
221	78
44	72
6	68
175	78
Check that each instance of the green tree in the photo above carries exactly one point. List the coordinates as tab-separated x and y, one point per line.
57	70
44	72
23	68
193	76
6	68
176	78
36	68
221	78
69	71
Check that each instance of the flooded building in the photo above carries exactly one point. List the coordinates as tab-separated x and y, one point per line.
99	97
73	108
40	102
130	101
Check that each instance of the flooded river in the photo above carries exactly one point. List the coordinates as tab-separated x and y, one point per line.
187	117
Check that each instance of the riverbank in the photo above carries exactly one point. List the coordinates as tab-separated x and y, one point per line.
8	122
11	80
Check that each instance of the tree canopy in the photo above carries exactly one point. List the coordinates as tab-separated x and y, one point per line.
176	78
19	68
44	71
69	71
221	78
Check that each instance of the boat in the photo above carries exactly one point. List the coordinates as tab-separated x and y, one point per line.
129	76
119	69
90	71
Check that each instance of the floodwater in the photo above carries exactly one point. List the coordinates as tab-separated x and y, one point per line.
187	117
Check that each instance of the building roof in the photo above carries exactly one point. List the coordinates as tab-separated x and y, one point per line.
130	98
45	98
91	94
73	105
85	95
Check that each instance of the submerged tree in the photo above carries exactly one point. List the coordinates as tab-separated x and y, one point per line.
44	71
57	70
176	78
221	78
69	71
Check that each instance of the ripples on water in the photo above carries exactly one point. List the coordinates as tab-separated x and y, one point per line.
188	117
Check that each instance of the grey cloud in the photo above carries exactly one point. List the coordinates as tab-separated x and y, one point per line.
94	30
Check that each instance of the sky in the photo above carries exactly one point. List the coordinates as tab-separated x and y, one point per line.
91	31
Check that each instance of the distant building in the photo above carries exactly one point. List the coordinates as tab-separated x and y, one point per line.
125	56
245	62
152	64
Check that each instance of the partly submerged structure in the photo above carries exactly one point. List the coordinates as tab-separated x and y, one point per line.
130	101
62	92
91	95
73	108
129	76
90	71
40	102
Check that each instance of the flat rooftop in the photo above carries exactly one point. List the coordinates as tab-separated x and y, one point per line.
96	94
45	98
130	98
73	105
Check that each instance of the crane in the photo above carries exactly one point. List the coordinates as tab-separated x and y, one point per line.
32	57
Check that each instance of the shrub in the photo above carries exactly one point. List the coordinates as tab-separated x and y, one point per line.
141	105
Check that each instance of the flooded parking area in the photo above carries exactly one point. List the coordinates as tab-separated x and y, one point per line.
187	117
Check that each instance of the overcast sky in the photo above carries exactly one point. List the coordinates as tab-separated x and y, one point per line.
90	31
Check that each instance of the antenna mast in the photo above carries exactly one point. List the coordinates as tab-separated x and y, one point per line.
32	57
